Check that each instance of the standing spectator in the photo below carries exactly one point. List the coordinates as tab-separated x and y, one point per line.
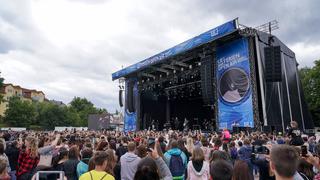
4	156
176	161
142	151
245	153
112	161
295	134
3	170
123	148
198	168
206	149
58	162
183	148
70	166
226	136
154	168
100	160
241	171
284	161
129	162
46	153
82	166
221	170
28	159
162	144
12	151
190	145
233	151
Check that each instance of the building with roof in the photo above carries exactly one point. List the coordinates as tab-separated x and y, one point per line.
10	90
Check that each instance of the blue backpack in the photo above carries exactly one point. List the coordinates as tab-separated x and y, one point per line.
176	165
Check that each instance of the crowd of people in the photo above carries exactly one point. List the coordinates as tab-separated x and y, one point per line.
155	155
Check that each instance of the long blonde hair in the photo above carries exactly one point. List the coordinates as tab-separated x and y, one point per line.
33	146
190	145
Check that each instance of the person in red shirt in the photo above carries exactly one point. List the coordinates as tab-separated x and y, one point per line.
28	159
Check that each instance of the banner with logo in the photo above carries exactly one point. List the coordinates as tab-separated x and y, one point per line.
235	107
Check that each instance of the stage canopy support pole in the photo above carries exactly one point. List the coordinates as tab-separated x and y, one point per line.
261	81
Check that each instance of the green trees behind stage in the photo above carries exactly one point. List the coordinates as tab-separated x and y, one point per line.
47	115
310	79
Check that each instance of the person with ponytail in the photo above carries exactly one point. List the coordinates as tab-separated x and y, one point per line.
28	159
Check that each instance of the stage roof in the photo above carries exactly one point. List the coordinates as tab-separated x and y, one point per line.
206	37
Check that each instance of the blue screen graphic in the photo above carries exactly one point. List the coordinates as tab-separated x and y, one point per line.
235	107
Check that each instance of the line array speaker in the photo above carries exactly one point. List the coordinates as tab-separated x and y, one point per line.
207	74
273	71
130	103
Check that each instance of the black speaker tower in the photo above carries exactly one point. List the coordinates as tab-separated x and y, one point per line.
207	78
273	71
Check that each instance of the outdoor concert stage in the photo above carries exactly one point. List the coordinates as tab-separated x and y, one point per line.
230	77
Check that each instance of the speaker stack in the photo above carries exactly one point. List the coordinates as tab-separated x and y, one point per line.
273	71
207	80
130	103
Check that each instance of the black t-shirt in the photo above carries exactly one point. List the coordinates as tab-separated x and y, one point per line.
296	139
121	151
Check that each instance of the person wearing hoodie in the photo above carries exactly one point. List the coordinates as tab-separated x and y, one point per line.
245	153
129	162
176	161
198	168
82	166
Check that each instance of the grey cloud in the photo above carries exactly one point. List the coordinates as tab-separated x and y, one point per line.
74	71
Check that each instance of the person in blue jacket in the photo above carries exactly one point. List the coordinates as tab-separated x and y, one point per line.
176	161
245	153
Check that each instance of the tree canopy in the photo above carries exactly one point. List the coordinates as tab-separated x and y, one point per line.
47	115
310	79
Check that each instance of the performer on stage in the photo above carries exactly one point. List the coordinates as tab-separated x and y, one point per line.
185	124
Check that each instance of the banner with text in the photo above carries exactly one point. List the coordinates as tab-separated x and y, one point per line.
235	107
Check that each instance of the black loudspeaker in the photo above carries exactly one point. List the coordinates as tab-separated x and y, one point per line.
273	71
130	104
207	74
121	97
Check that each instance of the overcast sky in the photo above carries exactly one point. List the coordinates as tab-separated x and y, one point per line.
69	48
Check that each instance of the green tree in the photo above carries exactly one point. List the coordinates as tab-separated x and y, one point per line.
20	113
51	115
83	107
73	118
310	79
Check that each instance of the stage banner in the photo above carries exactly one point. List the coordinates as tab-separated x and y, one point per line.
235	107
197	41
130	118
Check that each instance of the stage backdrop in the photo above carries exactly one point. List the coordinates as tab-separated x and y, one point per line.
234	85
